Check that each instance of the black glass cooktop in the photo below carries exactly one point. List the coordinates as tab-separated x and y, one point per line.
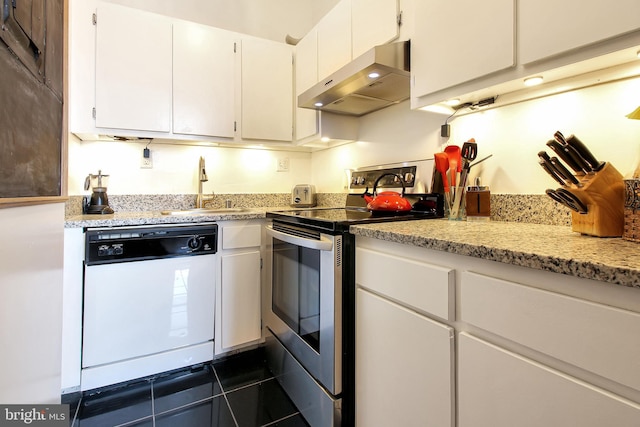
425	206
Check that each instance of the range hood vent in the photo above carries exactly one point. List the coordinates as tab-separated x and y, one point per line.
352	91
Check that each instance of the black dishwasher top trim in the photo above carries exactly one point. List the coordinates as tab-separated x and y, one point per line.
124	244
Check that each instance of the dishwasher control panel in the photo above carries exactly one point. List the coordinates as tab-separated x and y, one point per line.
122	244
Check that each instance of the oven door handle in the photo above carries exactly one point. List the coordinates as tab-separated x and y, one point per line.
323	244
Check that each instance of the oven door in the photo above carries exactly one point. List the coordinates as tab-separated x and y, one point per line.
305	299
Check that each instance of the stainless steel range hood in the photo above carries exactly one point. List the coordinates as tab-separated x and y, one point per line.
351	90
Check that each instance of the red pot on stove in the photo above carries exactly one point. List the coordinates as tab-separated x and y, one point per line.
387	201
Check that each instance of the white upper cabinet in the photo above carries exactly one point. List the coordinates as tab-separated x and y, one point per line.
267	90
460	40
548	28
133	69
374	22
473	50
334	39
306	76
204	80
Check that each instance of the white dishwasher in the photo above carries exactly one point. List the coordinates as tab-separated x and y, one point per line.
149	300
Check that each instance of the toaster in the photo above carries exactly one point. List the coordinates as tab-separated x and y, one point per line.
303	196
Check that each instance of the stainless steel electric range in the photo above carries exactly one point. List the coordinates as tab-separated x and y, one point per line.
311	300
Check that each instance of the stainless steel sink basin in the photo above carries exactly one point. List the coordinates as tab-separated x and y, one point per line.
205	211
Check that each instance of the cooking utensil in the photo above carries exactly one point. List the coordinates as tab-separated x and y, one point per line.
558	136
480	161
564	171
559	150
584	153
545	165
558	169
441	161
468	153
578	162
387	201
568	199
455	162
575	155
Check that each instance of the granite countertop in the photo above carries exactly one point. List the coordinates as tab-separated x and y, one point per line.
552	248
544	247
119	219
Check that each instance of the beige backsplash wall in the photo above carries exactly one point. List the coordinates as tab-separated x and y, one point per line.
175	168
513	134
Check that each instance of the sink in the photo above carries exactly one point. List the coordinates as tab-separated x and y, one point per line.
205	211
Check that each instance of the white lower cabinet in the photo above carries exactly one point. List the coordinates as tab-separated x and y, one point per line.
404	366
238	300
240	293
404	359
532	348
498	388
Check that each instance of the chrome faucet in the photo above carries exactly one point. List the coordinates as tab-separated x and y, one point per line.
202	177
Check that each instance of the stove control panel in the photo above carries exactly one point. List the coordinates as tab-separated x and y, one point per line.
364	179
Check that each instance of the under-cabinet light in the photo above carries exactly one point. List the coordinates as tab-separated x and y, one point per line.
533	81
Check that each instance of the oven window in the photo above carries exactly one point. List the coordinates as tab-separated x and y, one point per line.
296	289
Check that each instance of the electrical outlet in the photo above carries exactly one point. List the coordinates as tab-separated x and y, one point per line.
146	162
283	164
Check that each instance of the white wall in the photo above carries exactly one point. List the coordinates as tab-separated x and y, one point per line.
175	168
513	134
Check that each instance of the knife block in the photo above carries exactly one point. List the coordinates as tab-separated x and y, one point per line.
603	193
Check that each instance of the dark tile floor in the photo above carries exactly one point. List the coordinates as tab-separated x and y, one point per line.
238	391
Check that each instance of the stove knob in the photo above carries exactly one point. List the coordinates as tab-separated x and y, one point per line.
408	178
194	243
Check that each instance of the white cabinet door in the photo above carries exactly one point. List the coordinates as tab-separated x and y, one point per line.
240	298
203	80
497	388
556	325
133	69
547	27
306	76
456	41
267	90
374	22
334	39
404	366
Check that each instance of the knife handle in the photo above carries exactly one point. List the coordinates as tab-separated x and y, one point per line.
564	171
557	169
577	158
559	150
584	152
550	171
